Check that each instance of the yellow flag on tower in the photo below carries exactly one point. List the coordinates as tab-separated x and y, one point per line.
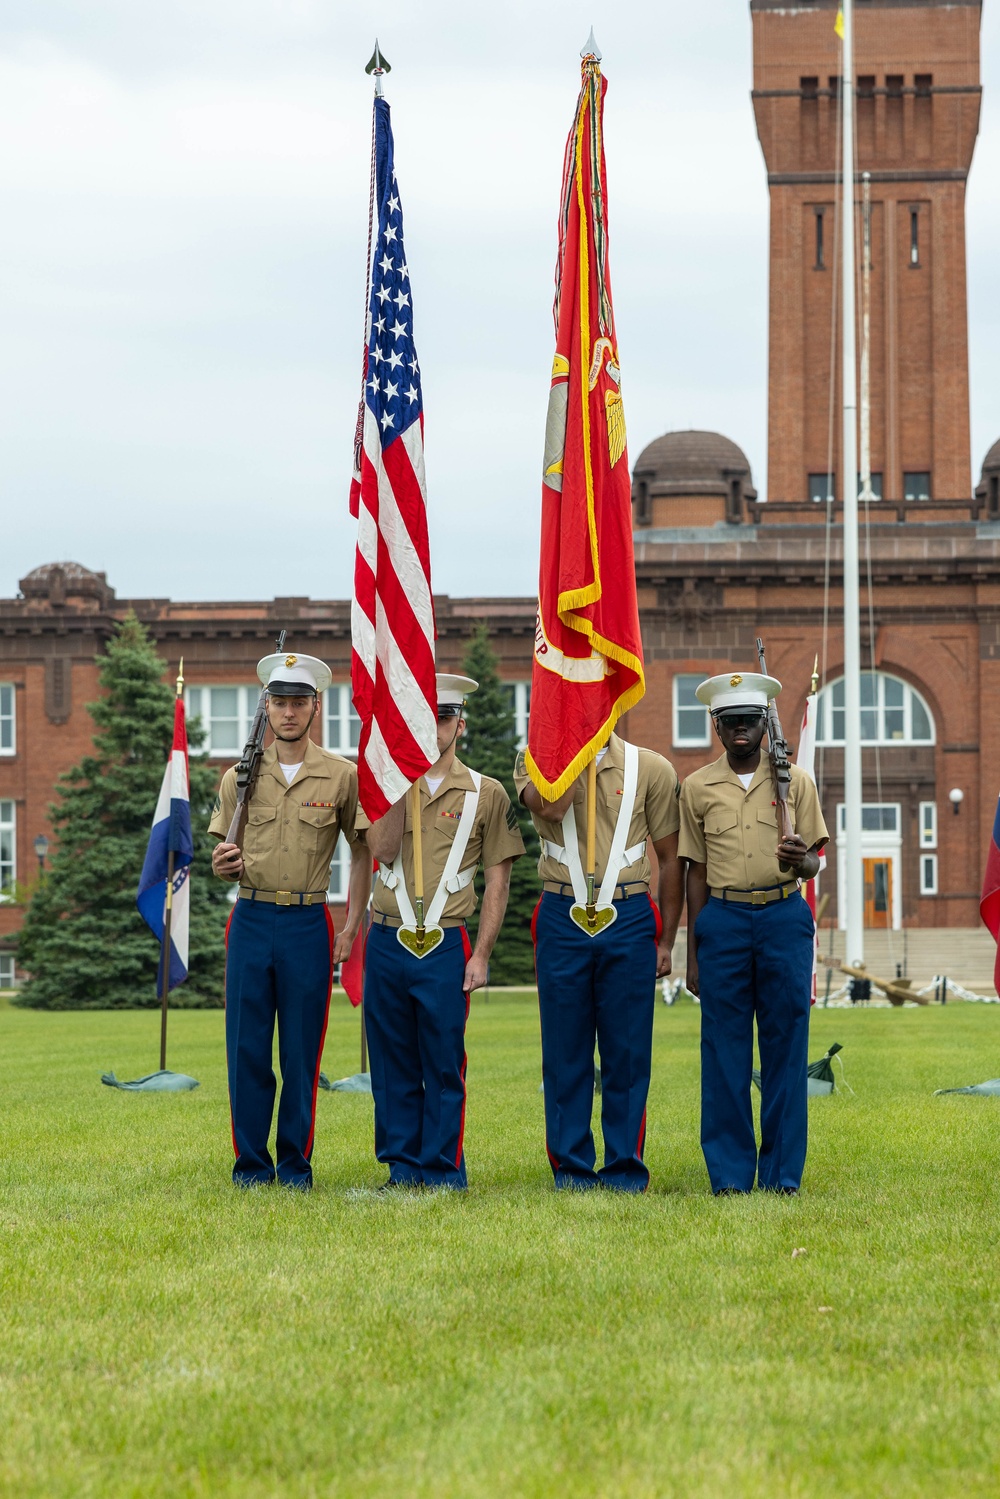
838	24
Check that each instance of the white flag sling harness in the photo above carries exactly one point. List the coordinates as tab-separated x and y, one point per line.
453	879
619	858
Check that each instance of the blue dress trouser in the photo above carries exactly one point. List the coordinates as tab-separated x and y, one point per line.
754	961
279	965
415	1016
596	989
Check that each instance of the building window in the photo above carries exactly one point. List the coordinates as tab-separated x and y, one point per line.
923	84
691	727
914	236
876	817
928	874
226	715
809	87
866	85
876	482
916	486
894	85
518	696
340	871
928	824
821	488
8	737
892	712
6	970
834	82
643	510
820	214
8	848
341	724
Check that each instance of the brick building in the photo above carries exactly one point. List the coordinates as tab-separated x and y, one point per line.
716	564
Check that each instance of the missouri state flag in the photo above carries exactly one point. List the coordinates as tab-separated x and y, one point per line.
587	669
171	833
989	905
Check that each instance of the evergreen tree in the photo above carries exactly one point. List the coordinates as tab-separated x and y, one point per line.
83	942
490	746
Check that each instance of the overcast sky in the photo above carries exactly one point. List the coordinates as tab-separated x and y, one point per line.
184	198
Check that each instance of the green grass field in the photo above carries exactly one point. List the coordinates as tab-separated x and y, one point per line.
162	1334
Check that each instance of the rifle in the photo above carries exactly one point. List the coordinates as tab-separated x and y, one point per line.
781	770
248	769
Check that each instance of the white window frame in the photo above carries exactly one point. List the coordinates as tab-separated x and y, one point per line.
7	970
928	825
247	699
8	717
340	873
520	702
687	741
339	714
825	711
8	837
928	874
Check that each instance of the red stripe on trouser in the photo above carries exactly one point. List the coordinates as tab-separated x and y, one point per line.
534	943
467	946
232	1121
322	1040
642	1128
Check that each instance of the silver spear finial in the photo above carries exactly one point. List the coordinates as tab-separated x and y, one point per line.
590	48
379	66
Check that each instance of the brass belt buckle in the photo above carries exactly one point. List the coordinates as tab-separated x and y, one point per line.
758	898
282	897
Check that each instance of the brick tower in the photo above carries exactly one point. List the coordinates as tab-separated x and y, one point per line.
916	67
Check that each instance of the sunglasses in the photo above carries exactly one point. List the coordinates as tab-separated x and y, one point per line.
739	720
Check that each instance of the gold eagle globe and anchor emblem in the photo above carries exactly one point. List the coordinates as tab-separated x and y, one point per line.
291	660
736	680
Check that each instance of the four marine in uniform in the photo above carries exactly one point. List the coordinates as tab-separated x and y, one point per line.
750	943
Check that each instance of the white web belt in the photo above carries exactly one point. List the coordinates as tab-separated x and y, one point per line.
452	878
619	857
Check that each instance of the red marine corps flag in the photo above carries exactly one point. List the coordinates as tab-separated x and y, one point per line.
392	618
588	668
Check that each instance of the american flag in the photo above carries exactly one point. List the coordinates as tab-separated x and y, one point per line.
392	619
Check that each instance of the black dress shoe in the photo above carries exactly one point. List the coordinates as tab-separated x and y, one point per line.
392	1185
732	1192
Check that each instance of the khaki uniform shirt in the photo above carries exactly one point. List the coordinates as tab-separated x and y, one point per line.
291	831
735	832
654	814
495	836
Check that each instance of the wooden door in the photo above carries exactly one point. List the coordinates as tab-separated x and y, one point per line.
878	894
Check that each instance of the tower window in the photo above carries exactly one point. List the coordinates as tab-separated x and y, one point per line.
923	83
642	505
821	488
834	82
916	486
866	86
894	85
994	494
820	263
809	87
914	237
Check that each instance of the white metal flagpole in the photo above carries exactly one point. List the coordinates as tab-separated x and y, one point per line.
852	895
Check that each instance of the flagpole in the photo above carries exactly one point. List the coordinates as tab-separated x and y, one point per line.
591	839
418	858
853	893
167	915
